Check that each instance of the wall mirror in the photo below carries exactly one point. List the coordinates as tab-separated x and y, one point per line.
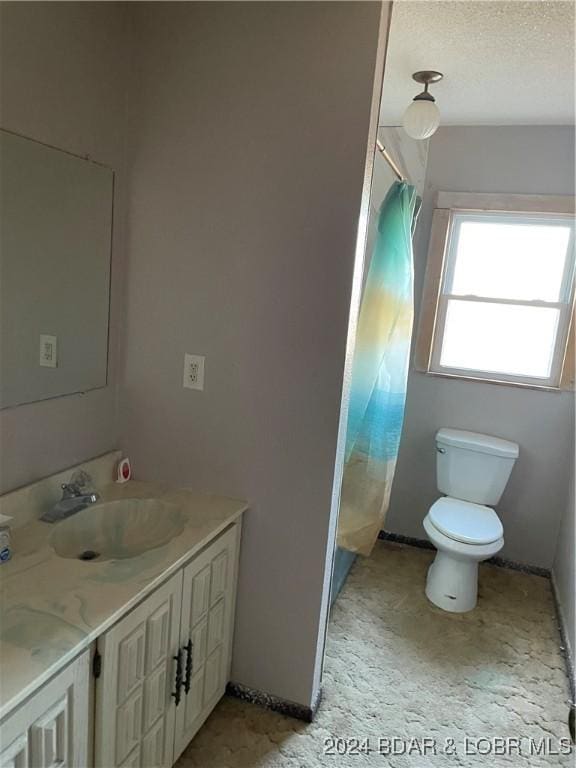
55	249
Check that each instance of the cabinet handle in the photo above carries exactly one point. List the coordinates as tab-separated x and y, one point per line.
188	681
176	694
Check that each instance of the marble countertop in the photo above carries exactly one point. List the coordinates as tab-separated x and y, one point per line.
52	607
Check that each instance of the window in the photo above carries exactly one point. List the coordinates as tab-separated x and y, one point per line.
504	297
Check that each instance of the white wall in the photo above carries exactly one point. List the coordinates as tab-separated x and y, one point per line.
564	570
526	160
63	81
248	135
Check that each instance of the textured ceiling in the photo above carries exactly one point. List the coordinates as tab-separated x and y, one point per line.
504	63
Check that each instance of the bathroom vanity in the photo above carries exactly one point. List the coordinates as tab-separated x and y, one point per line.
119	659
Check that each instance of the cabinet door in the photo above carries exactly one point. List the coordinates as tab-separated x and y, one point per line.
134	703
51	728
208	598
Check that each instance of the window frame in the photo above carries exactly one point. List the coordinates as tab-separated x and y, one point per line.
439	271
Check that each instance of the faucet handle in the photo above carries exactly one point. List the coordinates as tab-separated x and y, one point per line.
80	484
70	490
81	479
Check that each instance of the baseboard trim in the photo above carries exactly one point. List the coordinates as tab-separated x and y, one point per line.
502	562
564	644
267	700
411	541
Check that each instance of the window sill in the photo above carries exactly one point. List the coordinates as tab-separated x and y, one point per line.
500	382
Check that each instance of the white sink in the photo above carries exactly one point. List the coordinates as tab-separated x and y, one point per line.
116	530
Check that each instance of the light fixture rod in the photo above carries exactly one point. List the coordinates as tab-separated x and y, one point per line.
425	77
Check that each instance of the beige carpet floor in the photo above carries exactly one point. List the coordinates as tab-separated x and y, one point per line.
397	667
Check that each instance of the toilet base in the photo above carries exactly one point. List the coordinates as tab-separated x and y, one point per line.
452	584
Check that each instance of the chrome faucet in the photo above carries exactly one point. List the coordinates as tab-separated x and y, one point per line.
76	495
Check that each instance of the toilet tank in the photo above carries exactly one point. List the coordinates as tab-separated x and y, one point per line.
473	467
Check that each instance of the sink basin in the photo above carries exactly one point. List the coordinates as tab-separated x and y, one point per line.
116	530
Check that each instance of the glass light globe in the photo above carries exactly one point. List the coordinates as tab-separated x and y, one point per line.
421	119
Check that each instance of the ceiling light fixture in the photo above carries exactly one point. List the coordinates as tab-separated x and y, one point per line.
422	117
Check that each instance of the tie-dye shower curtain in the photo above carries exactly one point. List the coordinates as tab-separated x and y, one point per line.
379	373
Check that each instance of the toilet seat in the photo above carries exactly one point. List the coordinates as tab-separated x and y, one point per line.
465	522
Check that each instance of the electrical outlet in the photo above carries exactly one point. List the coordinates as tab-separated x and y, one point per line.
48	351
193	372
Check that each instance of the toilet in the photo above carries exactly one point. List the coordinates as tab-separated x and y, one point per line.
472	471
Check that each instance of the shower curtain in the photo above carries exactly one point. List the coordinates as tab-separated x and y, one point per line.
379	373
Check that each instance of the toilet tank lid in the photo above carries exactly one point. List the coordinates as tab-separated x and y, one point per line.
473	441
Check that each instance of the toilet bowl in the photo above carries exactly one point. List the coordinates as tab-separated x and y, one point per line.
472	470
464	534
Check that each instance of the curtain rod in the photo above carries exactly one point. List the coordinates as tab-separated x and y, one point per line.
384	152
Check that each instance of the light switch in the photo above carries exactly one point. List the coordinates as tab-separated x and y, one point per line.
193	372
48	351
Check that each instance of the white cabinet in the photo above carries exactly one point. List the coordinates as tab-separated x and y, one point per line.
163	668
51	728
206	634
134	706
166	664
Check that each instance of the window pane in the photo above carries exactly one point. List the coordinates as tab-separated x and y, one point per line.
504	338
510	260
